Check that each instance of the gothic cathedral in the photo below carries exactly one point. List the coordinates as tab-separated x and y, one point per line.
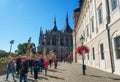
58	40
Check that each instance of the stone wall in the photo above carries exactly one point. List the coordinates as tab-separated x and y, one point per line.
2	68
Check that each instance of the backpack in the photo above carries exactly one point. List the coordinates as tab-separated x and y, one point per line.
36	66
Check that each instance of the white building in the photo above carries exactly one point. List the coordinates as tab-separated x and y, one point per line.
99	22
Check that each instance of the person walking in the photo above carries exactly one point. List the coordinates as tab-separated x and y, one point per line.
18	64
41	61
10	67
36	66
24	70
46	63
55	63
31	65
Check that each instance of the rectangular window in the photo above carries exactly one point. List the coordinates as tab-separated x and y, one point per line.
100	15
114	4
92	24
93	52
117	47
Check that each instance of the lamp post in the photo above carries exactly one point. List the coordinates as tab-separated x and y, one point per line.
44	50
11	42
82	39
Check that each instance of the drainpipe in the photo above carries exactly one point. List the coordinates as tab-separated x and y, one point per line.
108	33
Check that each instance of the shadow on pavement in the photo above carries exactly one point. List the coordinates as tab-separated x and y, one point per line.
62	69
30	80
115	78
103	77
40	78
93	75
55	77
52	70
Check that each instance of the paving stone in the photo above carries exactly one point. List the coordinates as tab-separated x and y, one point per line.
70	73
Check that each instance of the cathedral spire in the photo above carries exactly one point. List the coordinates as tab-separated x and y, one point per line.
40	35
55	26
55	21
41	31
67	27
67	18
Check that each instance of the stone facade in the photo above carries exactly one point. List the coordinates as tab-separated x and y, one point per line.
58	40
99	23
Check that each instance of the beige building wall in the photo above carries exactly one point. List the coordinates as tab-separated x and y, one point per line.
114	27
94	39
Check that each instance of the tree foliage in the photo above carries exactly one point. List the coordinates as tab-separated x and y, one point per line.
22	48
40	51
3	53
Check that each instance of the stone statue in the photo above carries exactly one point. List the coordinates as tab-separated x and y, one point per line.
29	52
29	40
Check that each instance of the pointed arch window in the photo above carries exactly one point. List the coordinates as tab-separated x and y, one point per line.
54	40
102	51
62	40
66	40
100	15
92	24
117	46
93	52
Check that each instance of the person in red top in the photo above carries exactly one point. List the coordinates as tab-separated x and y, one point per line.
46	63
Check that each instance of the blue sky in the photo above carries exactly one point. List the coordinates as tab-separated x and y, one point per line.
21	19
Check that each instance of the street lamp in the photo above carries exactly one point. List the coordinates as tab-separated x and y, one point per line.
82	39
44	50
11	42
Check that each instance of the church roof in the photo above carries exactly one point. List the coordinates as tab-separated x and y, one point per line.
55	26
67	28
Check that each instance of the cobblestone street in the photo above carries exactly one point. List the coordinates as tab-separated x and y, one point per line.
71	73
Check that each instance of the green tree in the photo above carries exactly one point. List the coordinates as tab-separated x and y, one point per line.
22	48
40	51
3	53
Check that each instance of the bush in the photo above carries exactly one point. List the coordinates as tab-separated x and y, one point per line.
3	59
